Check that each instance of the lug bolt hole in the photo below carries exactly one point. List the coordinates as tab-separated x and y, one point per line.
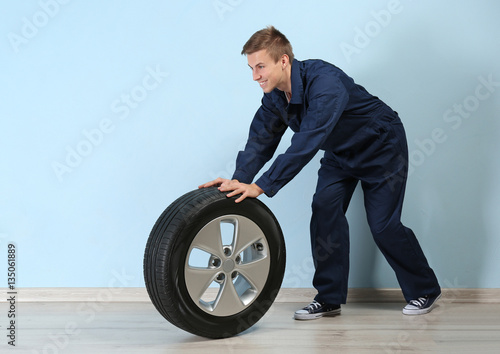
216	262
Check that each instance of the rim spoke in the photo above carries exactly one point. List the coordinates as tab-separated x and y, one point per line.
246	232
209	239
256	272
198	280
229	302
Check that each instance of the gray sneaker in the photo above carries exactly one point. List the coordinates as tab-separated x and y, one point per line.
316	310
421	305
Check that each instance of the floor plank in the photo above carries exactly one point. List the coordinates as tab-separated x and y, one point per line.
136	327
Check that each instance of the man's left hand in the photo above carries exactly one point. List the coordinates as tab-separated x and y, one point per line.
246	190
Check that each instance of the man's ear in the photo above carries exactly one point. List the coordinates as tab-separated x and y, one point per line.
285	60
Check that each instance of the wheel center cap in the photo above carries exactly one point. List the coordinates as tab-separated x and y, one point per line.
228	265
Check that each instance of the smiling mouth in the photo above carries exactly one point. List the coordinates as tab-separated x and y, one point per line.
262	83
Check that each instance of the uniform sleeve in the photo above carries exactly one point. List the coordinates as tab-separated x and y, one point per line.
326	99
266	131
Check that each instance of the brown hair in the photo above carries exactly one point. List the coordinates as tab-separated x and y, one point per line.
270	39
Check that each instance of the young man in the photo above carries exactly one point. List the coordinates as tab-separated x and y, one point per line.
364	141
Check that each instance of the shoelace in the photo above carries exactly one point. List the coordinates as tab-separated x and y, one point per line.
419	302
313	305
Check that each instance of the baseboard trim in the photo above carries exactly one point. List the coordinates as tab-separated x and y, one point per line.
301	295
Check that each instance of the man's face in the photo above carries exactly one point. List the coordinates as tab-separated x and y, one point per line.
266	72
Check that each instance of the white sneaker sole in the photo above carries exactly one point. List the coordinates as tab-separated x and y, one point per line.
314	316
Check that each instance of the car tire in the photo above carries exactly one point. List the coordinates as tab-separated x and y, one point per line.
213	267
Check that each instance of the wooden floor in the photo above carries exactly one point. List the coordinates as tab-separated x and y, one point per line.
136	327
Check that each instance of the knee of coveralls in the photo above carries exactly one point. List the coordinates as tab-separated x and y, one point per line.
329	228
383	205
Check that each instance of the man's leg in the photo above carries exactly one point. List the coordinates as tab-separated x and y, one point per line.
383	195
330	233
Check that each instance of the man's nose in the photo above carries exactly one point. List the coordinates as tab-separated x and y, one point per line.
255	76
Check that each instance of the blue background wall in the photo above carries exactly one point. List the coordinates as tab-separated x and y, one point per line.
111	110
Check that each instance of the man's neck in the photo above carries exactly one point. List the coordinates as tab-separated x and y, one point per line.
286	85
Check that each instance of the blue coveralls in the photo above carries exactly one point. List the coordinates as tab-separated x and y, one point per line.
363	140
